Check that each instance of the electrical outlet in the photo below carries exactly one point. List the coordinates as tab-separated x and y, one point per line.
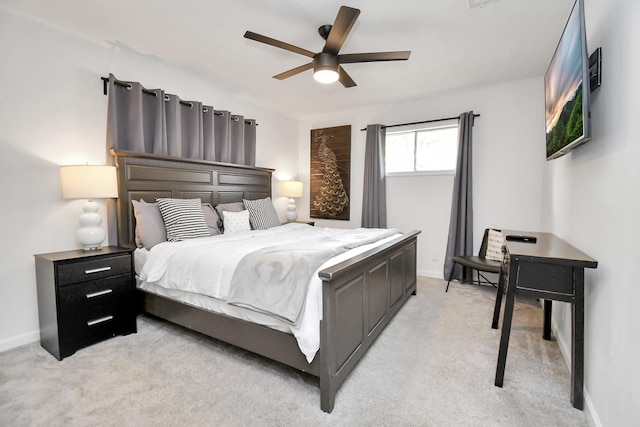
434	256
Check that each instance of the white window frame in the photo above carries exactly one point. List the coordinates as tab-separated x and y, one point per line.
415	128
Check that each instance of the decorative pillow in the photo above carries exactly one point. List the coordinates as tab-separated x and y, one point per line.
262	214
211	218
231	207
183	218
149	225
235	222
494	245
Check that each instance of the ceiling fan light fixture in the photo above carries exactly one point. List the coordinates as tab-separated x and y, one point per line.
326	76
325	68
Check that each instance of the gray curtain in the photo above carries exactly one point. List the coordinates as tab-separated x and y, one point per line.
208	134
236	137
222	125
250	142
184	128
374	200
460	240
135	118
150	121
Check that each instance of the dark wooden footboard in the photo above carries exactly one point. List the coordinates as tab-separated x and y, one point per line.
360	297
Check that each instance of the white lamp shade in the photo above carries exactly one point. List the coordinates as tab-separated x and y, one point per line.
88	182
291	189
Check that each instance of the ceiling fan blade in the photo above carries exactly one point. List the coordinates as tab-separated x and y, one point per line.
294	71
340	30
351	58
277	43
345	78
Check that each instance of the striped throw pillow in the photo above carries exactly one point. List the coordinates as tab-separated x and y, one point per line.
262	214
183	218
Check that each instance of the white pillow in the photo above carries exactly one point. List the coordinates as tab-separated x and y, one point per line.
236	222
183	218
494	245
262	214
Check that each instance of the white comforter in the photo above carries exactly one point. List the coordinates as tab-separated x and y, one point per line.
206	266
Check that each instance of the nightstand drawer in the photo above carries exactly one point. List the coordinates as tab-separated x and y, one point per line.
94	294
91	269
96	326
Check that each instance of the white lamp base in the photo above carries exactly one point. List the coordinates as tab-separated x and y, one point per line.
90	234
292	213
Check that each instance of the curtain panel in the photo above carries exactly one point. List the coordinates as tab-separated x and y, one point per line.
460	240
374	199
151	121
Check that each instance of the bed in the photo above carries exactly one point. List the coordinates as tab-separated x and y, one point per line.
359	294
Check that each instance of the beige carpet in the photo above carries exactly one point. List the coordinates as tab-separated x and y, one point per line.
434	365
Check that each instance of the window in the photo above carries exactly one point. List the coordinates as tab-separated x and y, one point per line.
424	150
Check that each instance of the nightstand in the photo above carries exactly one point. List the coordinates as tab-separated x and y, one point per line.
84	297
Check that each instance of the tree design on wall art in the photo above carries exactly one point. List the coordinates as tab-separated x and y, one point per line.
330	172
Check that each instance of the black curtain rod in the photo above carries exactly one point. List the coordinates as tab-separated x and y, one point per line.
105	85
424	121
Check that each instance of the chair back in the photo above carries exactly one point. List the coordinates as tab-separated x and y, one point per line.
491	247
485	243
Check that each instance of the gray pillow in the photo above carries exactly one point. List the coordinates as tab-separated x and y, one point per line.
211	218
149	224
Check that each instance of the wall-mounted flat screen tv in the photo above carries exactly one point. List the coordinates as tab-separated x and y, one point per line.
566	85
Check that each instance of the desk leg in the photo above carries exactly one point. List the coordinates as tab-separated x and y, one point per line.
506	324
546	332
577	340
496	309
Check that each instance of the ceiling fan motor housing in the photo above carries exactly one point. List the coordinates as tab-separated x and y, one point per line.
325	61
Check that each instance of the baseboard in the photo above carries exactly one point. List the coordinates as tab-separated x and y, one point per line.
565	348
431	274
19	341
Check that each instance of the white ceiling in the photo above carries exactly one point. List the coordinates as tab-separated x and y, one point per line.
452	45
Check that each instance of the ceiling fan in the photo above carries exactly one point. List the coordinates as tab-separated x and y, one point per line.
327	64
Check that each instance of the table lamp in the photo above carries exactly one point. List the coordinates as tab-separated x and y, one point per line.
291	189
89	182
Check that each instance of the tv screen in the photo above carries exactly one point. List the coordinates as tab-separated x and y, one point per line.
566	85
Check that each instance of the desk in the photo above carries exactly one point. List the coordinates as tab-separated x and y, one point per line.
553	270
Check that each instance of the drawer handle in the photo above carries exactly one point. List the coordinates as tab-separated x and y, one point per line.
97	294
97	270
100	320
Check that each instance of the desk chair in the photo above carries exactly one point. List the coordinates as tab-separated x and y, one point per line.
488	260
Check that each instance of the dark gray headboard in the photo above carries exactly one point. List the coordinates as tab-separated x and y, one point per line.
149	176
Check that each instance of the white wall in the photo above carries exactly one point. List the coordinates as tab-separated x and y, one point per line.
593	201
508	152
54	112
